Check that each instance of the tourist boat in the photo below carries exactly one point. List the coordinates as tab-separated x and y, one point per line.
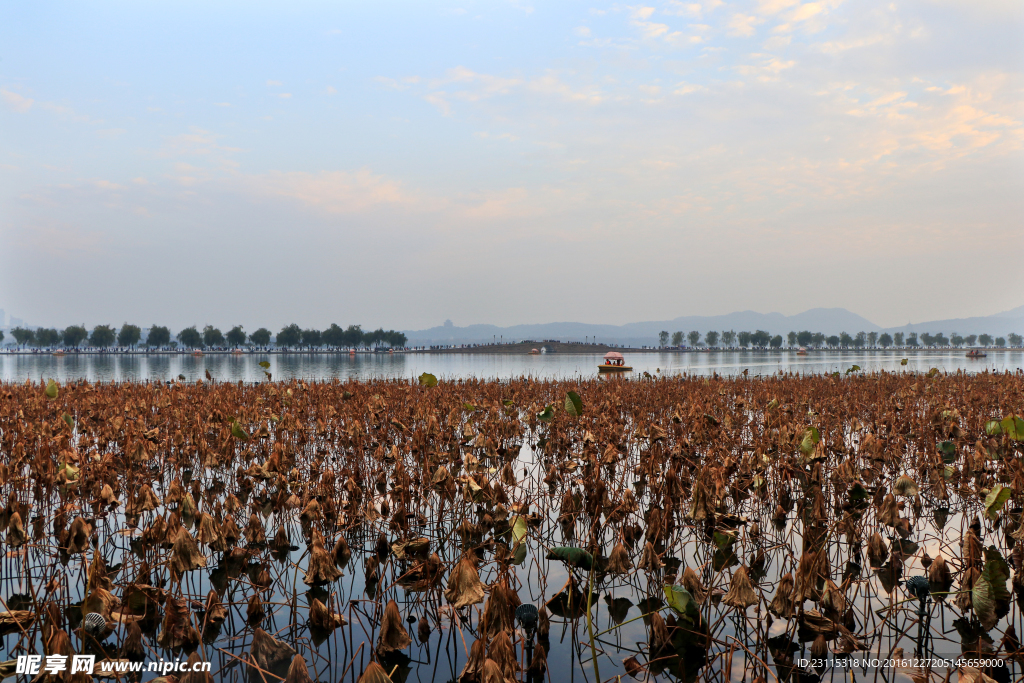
197	353
975	353
801	351
238	352
58	352
534	352
614	362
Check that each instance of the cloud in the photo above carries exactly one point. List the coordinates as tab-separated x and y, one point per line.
439	100
337	192
770	7
691	9
274	84
15	101
743	25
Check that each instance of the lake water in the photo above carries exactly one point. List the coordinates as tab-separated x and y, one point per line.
115	367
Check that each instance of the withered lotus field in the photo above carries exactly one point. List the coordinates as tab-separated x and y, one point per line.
686	528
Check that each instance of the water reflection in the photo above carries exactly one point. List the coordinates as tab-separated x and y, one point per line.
113	367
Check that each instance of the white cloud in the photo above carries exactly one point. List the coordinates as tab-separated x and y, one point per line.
743	24
15	101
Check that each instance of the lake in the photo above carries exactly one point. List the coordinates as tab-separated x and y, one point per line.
115	367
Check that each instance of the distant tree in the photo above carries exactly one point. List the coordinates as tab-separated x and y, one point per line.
845	339
235	336
103	336
985	339
677	339
1	335
711	339
693	337
833	340
970	339
860	340
354	336
374	338
885	340
1015	339
312	338
927	339
663	338
260	337
128	335
956	340
898	339
941	340
334	336
872	338
191	338
728	337
805	338
289	336
23	336
776	341
912	339
791	338
760	338
158	337
212	336
395	339
1000	341
818	339
744	339
73	335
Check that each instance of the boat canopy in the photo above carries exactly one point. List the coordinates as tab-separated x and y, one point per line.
613	355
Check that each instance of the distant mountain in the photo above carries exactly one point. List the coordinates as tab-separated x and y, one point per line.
827	320
997	325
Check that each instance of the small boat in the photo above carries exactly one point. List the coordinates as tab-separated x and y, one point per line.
534	352
976	353
801	351
198	353
614	362
58	352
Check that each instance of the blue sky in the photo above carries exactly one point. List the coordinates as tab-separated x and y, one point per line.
397	164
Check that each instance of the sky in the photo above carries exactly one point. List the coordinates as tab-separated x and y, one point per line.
397	164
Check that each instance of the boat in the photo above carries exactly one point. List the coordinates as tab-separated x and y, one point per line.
801	351
198	353
58	352
614	362
534	352
976	353
238	352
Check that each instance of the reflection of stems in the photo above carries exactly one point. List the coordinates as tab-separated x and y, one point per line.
590	623
618	626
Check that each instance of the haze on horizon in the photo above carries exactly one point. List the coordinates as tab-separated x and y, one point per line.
397	164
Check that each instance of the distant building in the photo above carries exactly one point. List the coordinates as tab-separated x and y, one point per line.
17	322
3	318
448	323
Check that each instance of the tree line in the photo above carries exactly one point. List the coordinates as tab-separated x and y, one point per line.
762	339
130	336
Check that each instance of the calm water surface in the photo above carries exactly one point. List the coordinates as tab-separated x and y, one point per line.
486	366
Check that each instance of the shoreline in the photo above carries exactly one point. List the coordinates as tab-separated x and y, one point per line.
553	348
